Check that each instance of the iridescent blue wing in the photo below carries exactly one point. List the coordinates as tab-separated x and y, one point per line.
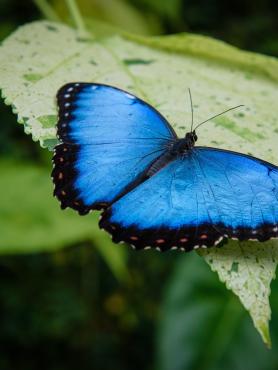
109	137
198	200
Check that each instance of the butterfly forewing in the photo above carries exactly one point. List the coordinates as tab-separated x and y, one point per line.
108	139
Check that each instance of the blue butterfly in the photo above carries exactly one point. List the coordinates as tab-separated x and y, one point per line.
119	154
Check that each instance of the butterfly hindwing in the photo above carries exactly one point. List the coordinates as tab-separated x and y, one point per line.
108	139
245	190
198	199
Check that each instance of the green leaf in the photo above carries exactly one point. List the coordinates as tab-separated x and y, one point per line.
34	63
202	325
32	221
247	269
119	13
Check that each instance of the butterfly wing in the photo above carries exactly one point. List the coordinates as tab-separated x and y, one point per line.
245	191
109	137
196	201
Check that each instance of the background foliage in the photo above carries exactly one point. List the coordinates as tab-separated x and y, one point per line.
80	306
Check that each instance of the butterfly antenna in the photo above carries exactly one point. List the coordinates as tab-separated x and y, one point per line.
190	97
217	115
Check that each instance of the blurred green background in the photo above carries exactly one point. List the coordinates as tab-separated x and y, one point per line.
68	297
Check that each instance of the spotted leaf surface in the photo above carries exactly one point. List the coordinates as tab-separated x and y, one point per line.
39	58
247	269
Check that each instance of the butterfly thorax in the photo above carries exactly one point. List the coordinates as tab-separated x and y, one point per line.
181	146
177	148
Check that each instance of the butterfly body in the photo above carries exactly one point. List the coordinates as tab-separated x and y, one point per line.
177	148
157	190
181	146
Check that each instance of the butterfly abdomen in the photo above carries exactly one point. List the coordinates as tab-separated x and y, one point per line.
177	148
159	163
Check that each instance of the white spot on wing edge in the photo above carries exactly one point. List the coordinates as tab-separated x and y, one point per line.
219	240
130	96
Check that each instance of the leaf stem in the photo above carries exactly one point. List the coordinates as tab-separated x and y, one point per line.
76	15
47	10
